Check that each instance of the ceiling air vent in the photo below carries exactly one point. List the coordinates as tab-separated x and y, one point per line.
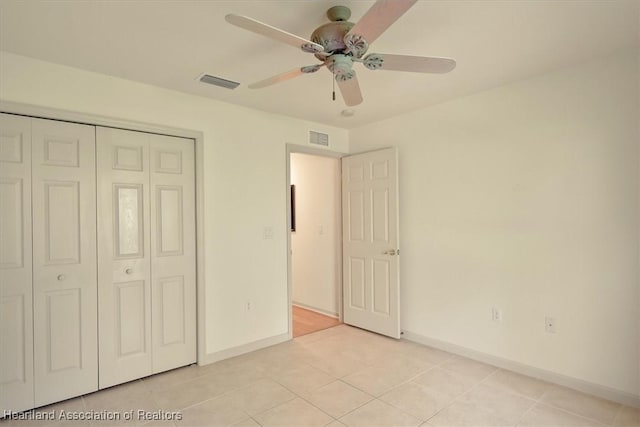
318	138
218	81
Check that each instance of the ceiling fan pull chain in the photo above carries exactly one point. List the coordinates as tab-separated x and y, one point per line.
334	87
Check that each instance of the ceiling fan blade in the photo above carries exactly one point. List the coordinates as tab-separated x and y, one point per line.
416	64
349	88
285	76
273	33
374	22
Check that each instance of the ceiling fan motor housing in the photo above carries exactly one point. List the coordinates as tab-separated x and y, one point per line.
331	36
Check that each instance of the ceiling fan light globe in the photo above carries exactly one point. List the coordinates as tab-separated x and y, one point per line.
340	64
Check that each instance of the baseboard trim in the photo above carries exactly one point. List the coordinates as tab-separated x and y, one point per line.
316	310
549	376
242	349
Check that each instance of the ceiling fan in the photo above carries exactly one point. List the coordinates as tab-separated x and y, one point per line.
340	43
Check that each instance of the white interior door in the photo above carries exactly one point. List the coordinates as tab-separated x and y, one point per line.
371	283
64	260
124	261
16	315
173	252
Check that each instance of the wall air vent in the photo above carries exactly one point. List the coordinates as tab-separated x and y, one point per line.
218	81
318	138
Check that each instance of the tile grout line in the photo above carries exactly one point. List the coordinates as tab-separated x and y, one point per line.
359	406
457	374
535	402
574	414
539	401
217	396
455	399
438	365
306	400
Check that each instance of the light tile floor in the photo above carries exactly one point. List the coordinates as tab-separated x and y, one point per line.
344	376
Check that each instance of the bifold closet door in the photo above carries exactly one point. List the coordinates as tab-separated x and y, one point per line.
173	252
146	254
124	259
16	316
64	260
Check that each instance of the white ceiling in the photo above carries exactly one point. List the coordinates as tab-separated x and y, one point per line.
170	43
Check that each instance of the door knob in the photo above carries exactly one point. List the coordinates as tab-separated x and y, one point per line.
391	252
128	271
61	277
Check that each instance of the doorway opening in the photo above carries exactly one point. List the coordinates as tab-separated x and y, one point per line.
315	257
366	245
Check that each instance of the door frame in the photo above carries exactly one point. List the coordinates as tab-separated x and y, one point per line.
10	107
302	149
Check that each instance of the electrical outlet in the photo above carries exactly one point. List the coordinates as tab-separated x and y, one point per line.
248	305
550	324
496	314
267	233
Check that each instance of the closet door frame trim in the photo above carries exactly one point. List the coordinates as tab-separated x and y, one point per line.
97	120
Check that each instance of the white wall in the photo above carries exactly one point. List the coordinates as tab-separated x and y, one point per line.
316	254
244	191
525	198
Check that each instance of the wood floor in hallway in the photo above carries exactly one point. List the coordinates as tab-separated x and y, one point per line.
307	321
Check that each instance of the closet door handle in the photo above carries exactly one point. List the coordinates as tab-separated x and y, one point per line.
129	271
61	277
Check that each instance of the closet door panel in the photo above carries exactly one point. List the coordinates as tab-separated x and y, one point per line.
64	260
123	256
173	252
16	315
